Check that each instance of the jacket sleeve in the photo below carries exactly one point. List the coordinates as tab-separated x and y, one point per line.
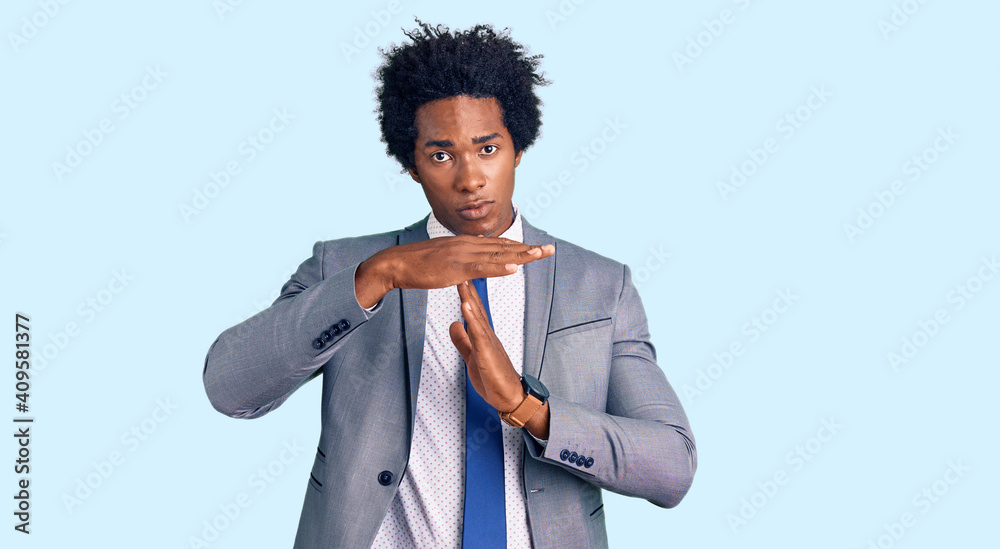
254	366
641	445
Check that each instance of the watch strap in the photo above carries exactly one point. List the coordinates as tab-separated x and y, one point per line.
521	415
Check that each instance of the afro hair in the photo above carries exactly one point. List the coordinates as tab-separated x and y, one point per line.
438	64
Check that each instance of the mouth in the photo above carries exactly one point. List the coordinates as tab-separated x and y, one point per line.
476	210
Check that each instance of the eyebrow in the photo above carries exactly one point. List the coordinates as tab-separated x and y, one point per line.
485	138
475	141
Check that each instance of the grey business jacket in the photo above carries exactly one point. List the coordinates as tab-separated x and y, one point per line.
615	421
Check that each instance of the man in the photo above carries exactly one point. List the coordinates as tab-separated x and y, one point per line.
426	337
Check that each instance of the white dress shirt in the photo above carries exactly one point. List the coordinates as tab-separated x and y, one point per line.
429	505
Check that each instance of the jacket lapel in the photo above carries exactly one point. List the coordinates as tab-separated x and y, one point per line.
538	280
414	303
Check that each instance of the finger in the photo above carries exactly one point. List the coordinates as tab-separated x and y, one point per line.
483	319
504	245
477	323
497	263
511	252
461	340
500	250
472	371
485	267
467	293
534	251
515	246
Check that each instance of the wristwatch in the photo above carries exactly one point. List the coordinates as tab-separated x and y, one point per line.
535	396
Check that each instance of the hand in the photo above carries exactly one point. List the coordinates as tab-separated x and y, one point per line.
489	368
441	262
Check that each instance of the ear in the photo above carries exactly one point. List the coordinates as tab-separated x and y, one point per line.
414	175
517	158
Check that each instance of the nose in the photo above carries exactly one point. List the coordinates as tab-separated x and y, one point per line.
469	176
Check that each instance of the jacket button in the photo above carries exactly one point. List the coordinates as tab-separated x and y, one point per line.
581	460
326	336
335	329
589	463
564	455
344	325
318	343
572	457
385	478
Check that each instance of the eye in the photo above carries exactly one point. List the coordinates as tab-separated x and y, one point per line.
490	149
440	156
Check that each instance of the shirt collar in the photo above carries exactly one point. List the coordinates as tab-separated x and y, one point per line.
516	231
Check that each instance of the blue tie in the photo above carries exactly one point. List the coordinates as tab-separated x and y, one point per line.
485	524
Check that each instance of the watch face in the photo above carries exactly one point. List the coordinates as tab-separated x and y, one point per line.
535	388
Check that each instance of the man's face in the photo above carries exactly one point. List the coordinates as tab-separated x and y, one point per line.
465	161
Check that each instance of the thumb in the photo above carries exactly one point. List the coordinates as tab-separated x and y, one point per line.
460	339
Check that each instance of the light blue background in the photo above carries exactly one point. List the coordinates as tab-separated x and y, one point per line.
652	189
